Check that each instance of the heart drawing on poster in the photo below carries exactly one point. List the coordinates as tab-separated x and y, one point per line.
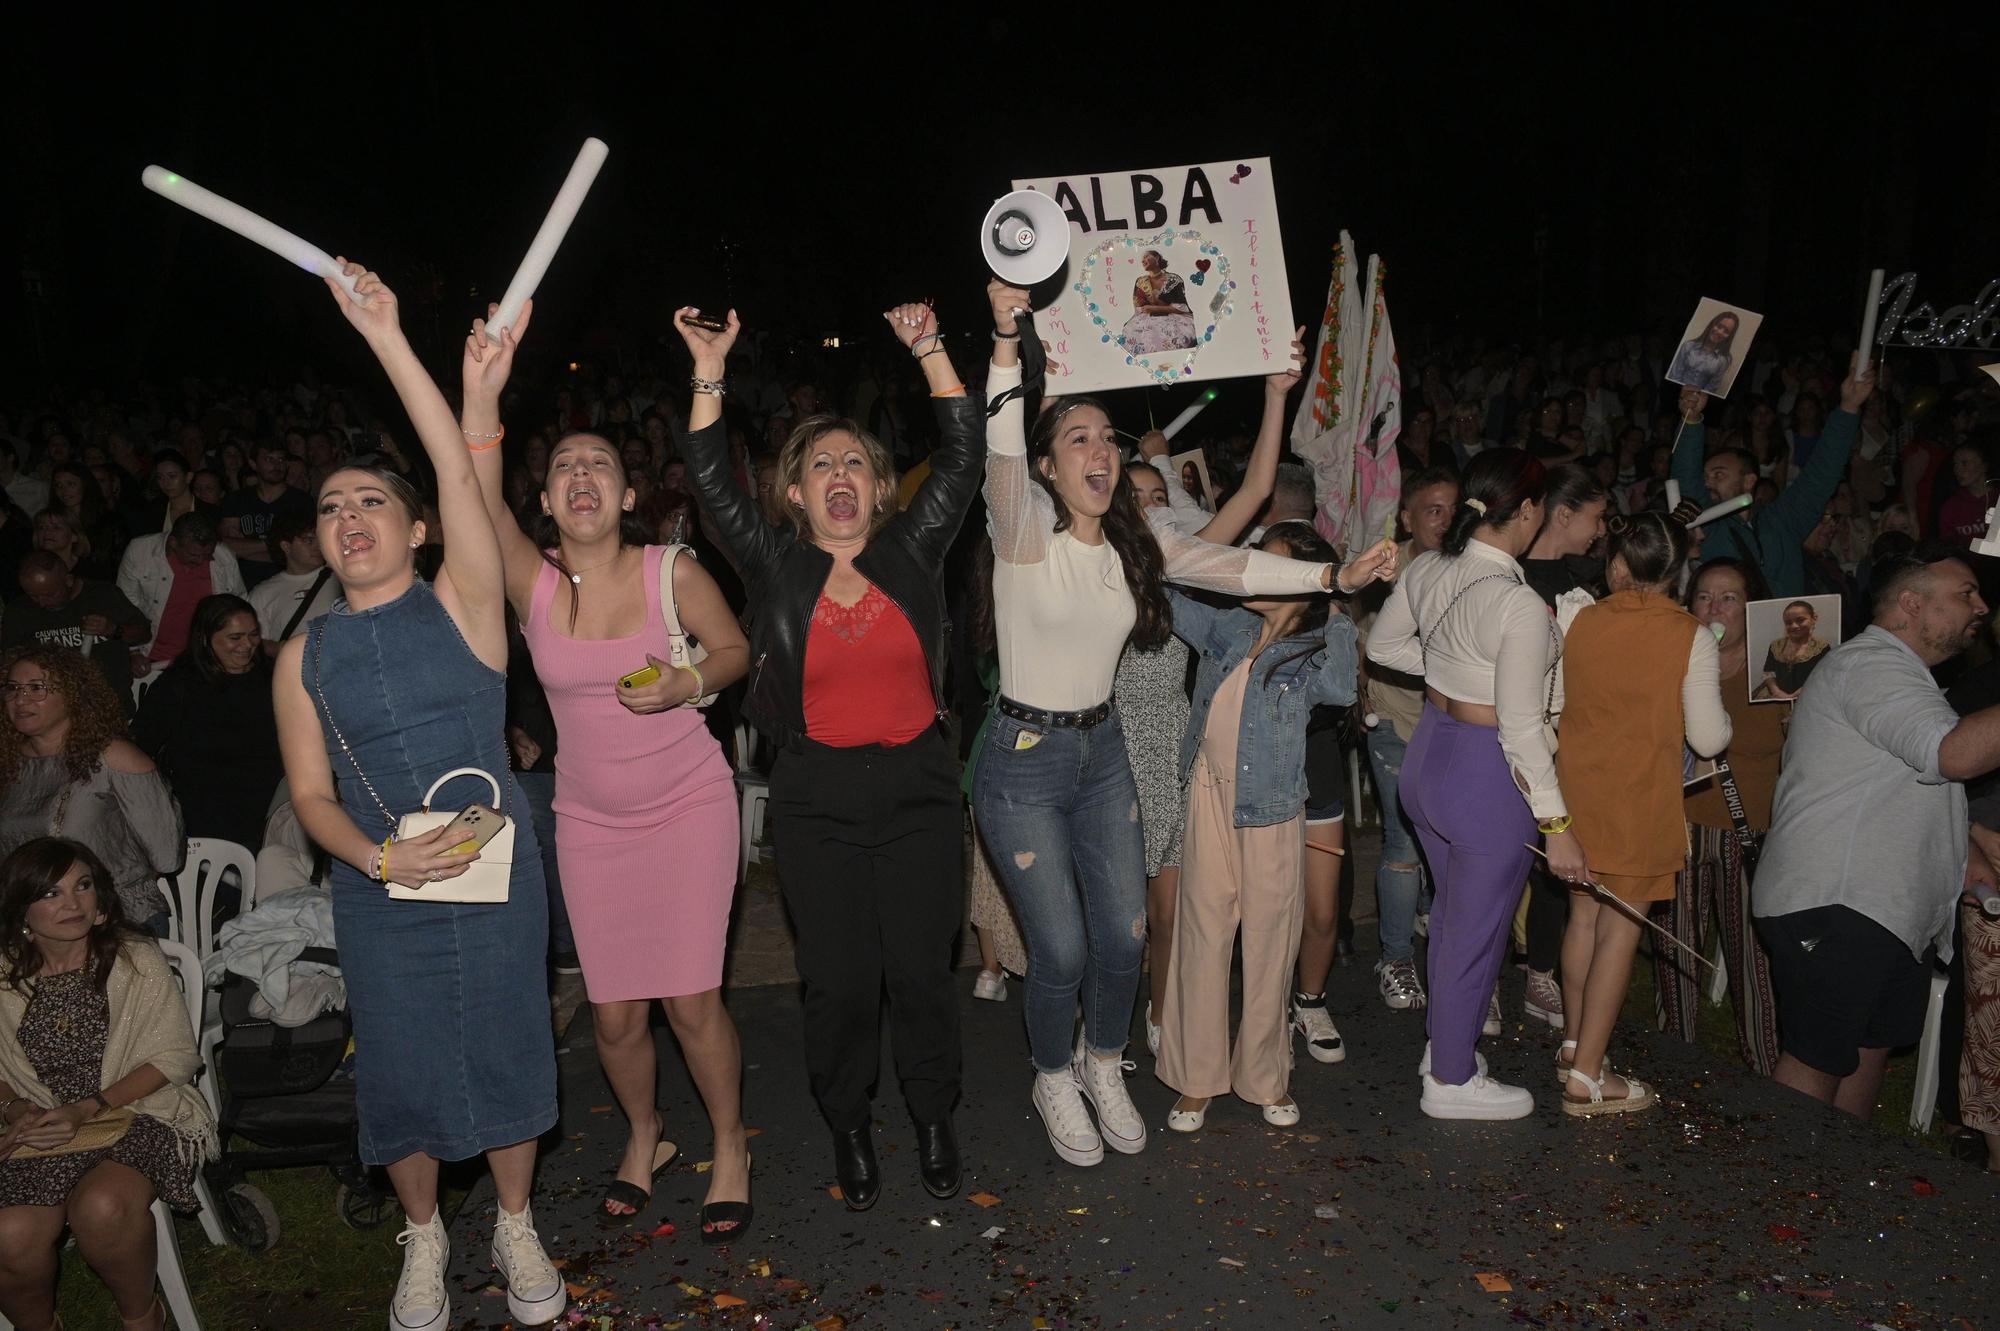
1166	330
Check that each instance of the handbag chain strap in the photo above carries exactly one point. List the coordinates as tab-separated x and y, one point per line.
318	632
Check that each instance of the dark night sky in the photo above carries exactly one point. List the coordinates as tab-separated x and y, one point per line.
847	163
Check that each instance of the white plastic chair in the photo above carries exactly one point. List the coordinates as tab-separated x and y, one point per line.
753	794
194	987
1924	1103
191	893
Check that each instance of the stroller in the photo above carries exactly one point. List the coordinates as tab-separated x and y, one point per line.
290	1091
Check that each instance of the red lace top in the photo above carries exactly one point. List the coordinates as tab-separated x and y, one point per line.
866	681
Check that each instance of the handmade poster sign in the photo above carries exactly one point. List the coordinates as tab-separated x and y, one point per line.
1786	640
1174	275
1714	347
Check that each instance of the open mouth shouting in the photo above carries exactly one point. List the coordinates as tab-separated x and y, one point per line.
355	541
1098	480
583	497
843	501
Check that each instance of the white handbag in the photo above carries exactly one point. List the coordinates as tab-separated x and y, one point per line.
485	880
682	651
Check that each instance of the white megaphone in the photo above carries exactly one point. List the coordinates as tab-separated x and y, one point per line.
1025	237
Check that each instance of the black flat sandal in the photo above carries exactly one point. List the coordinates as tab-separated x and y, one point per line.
736	1216
621	1193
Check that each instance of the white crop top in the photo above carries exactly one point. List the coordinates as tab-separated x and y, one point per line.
1061	609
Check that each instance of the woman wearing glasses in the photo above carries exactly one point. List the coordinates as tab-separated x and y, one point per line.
70	770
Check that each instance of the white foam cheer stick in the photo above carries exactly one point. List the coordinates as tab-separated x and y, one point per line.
245	224
1179	422
1868	313
1673	495
555	226
1721	510
1989	900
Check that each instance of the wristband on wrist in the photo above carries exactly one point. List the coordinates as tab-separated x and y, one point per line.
1554	826
936	339
956	390
999	336
700	684
713	387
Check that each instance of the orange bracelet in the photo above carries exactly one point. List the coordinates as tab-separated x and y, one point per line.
957	390
493	442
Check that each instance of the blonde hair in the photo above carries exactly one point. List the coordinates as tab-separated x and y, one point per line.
799	447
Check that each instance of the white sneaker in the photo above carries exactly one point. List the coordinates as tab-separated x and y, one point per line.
421	1304
1059	1101
1492	1025
991	986
1399	985
1152	1033
1323	1040
1480	1098
535	1293
1424	1066
1544	1001
1104	1086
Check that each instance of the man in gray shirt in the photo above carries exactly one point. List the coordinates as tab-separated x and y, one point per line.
1868	848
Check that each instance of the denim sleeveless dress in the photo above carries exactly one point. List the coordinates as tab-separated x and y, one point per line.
454	1053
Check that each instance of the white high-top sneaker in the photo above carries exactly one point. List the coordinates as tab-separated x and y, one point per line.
535	1292
1104	1086
1059	1100
421	1303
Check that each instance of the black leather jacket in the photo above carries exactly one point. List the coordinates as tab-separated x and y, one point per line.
785	575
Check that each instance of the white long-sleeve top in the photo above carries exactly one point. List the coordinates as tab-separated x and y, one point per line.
1474	630
1703	715
1061	609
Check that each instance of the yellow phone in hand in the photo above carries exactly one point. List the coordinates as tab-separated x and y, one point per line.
640	678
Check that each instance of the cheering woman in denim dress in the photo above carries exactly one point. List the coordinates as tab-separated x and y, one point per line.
403	682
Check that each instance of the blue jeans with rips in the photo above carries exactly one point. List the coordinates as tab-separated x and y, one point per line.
1396	889
1059	813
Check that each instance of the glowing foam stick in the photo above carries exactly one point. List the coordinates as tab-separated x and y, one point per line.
554	227
1989	900
245	224
1868	313
1673	495
1175	425
1721	510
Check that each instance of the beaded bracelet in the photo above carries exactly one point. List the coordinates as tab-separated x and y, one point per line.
999	336
713	387
496	436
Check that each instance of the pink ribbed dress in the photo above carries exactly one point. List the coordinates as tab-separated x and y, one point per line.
646	815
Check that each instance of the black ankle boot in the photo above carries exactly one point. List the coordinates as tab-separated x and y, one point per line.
854	1167
938	1159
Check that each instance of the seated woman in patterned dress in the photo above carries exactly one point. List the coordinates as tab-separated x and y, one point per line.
94	1042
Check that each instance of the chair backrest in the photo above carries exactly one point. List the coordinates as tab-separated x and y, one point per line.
187	969
746	748
191	894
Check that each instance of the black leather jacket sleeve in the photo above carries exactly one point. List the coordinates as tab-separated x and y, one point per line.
754	543
957	466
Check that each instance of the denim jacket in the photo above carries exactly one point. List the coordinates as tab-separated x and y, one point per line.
1271	738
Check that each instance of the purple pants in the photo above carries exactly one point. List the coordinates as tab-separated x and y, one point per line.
1476	829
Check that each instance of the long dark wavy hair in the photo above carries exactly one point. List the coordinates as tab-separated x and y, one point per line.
1124	527
211	615
34	868
1301	541
548	537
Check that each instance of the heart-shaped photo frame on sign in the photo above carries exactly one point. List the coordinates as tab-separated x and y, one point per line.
1167	329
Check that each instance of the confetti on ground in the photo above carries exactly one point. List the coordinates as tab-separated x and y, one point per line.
1079	1210
993	1233
728	1301
1326	1212
692	1291
983	1199
1230	1261
761	1269
1923	1188
1781	1232
1493	1282
835	1193
664	1230
703	1166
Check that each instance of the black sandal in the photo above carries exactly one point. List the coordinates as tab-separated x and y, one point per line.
621	1193
735	1215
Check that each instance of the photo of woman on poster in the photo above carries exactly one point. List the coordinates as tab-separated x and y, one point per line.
1161	320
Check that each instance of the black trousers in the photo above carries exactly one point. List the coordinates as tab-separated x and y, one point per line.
870	851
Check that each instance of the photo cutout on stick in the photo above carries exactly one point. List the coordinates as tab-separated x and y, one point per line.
1714	347
1192	468
1786	638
